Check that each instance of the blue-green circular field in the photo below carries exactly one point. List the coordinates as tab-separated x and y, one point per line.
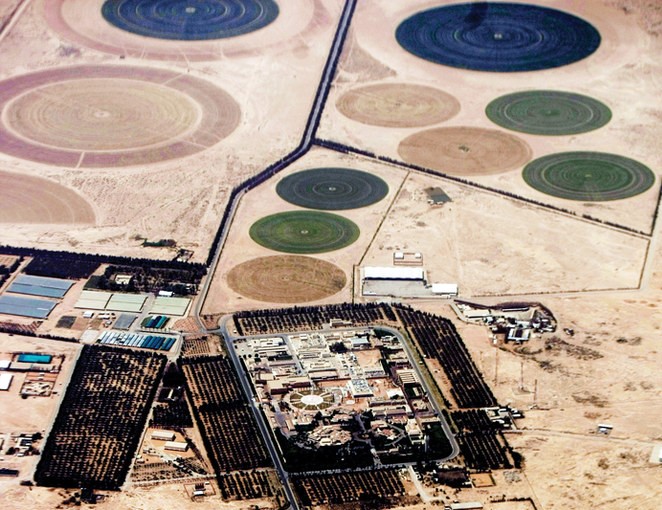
588	176
304	232
548	112
498	36
190	20
332	189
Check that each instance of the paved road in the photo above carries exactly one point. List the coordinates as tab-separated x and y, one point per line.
304	146
261	422
437	407
266	429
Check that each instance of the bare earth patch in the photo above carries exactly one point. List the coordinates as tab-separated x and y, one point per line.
28	199
287	279
465	150
398	105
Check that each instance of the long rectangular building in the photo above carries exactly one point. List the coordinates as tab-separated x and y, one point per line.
393	273
40	286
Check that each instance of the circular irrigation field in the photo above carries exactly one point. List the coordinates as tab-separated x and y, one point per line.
185	31
588	176
30	199
286	279
548	112
332	189
304	232
498	37
465	150
188	20
398	105
107	116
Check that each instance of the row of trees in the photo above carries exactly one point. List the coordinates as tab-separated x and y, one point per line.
309	317
65	264
101	418
349	487
345	149
228	428
439	340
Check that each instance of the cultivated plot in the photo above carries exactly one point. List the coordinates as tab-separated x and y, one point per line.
498	37
304	232
105	116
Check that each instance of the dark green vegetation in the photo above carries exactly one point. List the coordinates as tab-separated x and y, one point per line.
332	189
189	21
380	488
304	232
588	176
548	112
101	418
498	37
182	280
231	436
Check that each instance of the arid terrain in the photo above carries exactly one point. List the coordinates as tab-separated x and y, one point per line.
603	281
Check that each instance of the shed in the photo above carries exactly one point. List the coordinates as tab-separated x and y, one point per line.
5	381
393	273
163	435
470	505
177	446
445	289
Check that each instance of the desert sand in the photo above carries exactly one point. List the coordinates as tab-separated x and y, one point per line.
603	282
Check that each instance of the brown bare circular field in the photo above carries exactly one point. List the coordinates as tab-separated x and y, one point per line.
105	116
465	150
286	279
28	199
82	22
92	115
398	105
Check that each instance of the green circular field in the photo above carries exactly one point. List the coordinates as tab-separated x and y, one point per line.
548	112
588	176
332	189
304	232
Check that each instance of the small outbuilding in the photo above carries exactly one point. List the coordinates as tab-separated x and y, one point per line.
5	381
177	446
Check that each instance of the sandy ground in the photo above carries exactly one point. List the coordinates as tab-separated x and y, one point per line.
608	372
264	200
34	414
180	199
489	244
624	73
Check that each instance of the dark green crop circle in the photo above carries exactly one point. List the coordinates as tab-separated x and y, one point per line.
548	112
332	189
304	232
588	176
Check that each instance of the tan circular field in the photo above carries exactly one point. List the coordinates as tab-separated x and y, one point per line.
27	199
398	105
286	279
108	116
102	114
465	150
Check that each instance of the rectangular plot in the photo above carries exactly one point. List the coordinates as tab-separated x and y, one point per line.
126	302
93	300
26	307
170	306
93	438
40	286
124	321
